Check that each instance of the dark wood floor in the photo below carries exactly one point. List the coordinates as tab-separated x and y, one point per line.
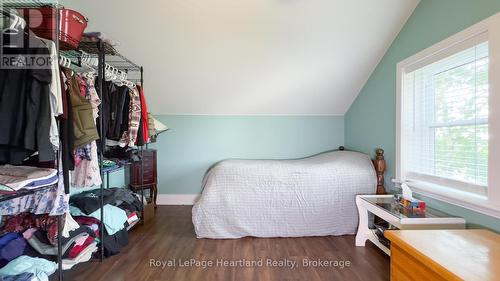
171	236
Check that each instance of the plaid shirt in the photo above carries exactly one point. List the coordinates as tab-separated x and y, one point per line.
134	118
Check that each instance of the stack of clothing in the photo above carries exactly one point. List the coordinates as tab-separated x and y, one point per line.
119	205
49	197
19	177
29	242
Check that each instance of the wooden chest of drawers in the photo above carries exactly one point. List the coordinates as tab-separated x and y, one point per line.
150	174
472	254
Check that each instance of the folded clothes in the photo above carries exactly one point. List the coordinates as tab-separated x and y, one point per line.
90	201
41	202
40	268
51	200
114	217
12	250
114	243
78	248
108	163
17	177
42	182
40	243
82	220
83	256
12	245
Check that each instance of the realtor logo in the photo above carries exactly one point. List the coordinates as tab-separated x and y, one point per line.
20	47
25	61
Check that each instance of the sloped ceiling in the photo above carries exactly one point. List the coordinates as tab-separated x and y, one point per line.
245	57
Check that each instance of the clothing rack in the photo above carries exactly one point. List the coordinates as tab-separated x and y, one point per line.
102	50
105	54
20	4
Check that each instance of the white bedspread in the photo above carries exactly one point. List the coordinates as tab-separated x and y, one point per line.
313	196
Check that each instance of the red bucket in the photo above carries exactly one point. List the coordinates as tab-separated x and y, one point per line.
72	24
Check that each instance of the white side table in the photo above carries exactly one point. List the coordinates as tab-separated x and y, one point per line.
383	207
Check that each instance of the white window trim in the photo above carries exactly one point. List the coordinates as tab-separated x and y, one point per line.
489	205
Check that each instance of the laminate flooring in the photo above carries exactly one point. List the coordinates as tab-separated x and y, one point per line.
167	249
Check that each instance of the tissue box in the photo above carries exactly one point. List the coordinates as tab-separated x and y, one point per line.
413	204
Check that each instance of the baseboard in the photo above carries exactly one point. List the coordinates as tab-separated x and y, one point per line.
177	199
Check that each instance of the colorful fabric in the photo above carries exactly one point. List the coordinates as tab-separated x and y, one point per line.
108	163
51	200
17	177
6	238
82	153
129	137
29	233
41	268
87	172
12	250
114	217
144	117
86	220
83	86
79	247
25	221
83	256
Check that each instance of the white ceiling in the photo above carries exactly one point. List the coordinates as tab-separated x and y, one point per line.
245	57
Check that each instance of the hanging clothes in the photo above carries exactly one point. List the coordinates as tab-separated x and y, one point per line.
143	136
84	152
87	171
67	135
116	115
129	137
85	130
25	116
107	91
56	107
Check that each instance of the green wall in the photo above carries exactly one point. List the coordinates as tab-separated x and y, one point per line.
196	142
370	122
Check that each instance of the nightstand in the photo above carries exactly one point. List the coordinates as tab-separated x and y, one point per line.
386	208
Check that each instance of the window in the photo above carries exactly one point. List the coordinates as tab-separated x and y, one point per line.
446	118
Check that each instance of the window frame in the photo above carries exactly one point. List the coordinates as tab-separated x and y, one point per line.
489	204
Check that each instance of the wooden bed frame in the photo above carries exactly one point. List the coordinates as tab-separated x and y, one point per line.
380	167
379	164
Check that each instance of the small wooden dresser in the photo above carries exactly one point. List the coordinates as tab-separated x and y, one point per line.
148	166
444	255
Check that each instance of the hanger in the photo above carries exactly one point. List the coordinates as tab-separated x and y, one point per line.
64	61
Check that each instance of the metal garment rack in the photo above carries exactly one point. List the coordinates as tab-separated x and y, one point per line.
25	4
103	51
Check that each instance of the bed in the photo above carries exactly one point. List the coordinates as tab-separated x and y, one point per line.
312	196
